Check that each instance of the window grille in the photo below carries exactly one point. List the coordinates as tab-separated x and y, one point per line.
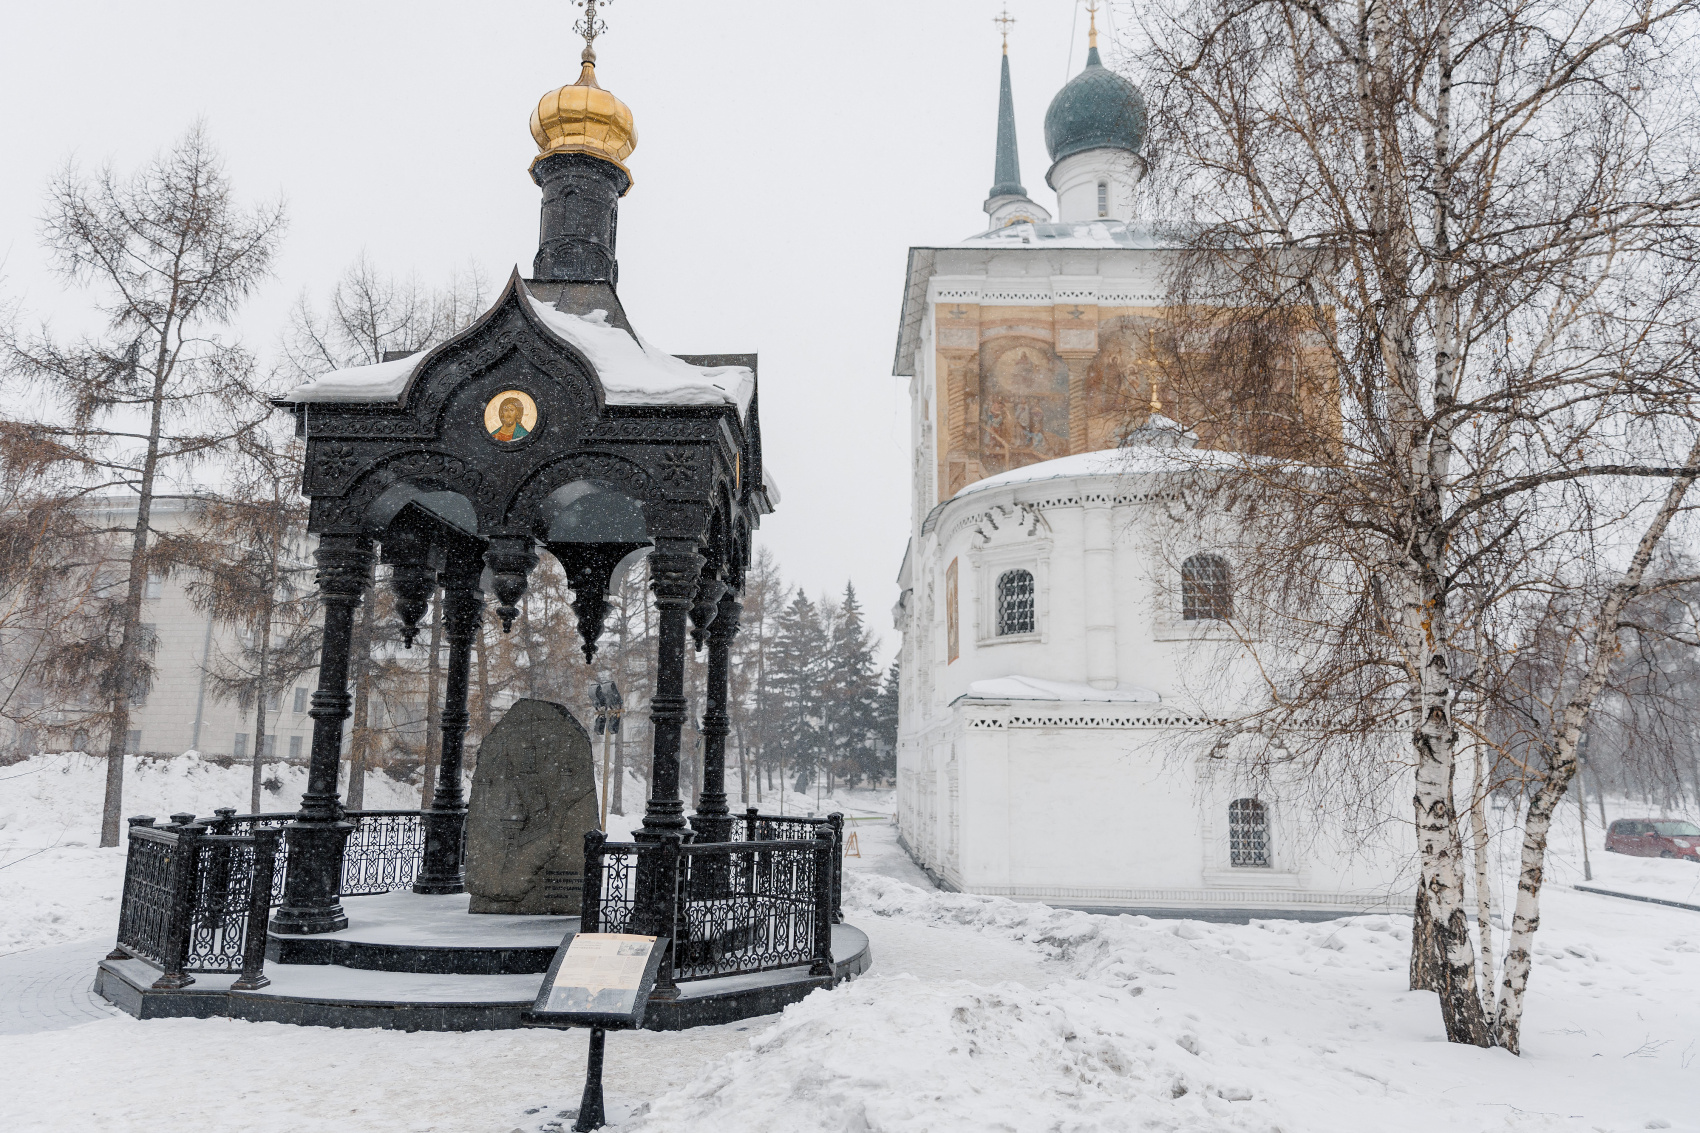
1103	198
1015	602
1248	833
1204	589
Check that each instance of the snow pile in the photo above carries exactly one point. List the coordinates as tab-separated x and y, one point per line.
1665	879
1088	1053
900	1055
1197	1028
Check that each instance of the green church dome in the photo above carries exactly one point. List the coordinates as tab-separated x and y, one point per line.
1097	109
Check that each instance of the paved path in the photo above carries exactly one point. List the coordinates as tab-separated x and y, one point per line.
47	989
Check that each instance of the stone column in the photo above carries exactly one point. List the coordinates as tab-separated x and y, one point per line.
313	889
1100	596
713	821
675	569
445	822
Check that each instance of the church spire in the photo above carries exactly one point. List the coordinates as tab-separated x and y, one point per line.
1006	173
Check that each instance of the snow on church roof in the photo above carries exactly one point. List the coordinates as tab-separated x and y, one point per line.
1092	234
631	371
1037	688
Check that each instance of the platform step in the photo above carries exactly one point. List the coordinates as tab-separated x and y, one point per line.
333	995
428	935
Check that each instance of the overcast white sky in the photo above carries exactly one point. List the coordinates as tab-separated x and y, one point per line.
789	153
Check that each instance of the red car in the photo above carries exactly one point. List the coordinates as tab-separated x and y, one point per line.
1654	838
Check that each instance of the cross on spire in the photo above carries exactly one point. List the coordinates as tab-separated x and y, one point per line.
1004	21
590	27
1092	23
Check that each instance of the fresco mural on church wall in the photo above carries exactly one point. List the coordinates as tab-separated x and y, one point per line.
1118	380
1023	406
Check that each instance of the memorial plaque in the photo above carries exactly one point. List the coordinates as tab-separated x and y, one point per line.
533	801
598	979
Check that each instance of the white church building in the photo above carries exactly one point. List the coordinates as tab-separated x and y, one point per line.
1050	744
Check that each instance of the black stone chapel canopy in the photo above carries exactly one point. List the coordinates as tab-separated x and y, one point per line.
548	424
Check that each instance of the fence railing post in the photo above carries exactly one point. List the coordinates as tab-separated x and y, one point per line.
259	910
836	821
671	849
822	965
750	816
185	858
590	901
119	952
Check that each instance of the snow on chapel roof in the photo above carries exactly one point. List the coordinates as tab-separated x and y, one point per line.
631	371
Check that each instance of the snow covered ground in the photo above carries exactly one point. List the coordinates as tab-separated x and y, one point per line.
979	1014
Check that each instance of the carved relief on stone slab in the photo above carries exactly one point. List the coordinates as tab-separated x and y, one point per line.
533	801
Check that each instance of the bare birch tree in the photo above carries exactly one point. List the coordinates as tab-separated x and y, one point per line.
173	256
1475	223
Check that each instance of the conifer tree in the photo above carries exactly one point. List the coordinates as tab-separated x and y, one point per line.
799	660
850	689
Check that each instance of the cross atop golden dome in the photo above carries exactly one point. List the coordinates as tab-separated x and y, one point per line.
584	118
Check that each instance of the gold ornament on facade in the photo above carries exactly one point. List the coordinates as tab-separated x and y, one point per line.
582	117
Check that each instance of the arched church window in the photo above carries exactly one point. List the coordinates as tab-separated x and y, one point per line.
1248	833
1103	198
1015	602
1204	589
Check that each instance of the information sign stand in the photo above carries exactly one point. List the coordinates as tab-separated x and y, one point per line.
599	980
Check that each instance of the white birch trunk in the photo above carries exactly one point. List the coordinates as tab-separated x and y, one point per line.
1538	824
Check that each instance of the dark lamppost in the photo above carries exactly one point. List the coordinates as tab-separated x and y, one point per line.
610	706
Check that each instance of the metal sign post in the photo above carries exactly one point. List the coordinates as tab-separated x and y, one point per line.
599	980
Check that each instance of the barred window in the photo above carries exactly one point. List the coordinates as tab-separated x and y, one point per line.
1015	602
1204	589
1248	833
1103	198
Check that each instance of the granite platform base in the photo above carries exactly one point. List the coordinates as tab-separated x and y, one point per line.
423	963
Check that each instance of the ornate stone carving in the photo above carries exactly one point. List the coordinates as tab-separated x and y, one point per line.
336	461
678	468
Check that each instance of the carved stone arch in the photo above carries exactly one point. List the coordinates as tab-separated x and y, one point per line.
508	327
523	507
428	470
573	379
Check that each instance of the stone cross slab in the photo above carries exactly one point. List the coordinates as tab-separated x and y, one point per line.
533	801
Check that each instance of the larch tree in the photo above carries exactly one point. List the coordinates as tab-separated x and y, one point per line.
248	555
49	577
171	256
1455	245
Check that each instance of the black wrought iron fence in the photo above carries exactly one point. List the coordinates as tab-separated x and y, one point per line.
729	907
788	827
196	901
384	852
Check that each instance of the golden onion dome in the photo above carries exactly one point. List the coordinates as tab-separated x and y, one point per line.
584	118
